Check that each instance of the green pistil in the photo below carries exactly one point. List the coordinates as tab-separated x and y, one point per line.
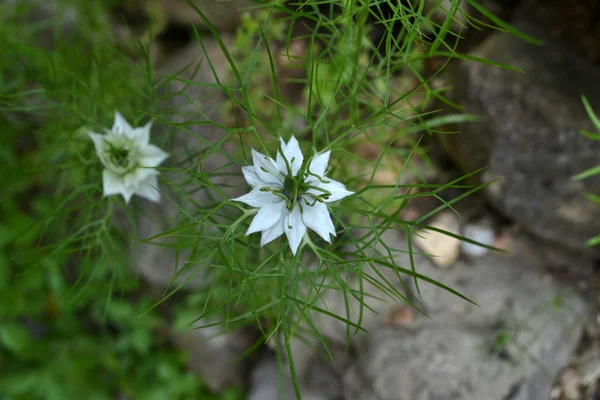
276	191
320	179
292	190
320	197
290	186
295	189
120	157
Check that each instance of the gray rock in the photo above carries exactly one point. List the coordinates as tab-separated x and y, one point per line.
480	232
530	134
321	379
216	356
511	346
573	24
264	380
267	382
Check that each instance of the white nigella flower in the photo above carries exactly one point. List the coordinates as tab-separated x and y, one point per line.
129	160
291	195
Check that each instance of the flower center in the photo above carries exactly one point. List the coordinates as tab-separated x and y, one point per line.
120	156
292	188
295	189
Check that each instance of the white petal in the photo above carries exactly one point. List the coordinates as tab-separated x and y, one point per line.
251	177
152	156
265	168
293	154
134	178
266	217
281	164
279	159
256	198
141	135
338	190
147	189
294	229
98	142
273	232
114	184
318	219
319	163
120	125
283	144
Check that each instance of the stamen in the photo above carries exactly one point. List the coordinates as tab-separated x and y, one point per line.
283	197
320	199
287	165
318	177
295	198
304	167
277	192
326	193
120	155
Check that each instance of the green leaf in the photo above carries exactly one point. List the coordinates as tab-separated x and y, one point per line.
590	135
590	112
15	337
592	197
480	60
19	384
142	340
4	271
593	241
503	25
586	174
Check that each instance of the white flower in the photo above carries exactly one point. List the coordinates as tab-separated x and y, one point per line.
291	195
129	160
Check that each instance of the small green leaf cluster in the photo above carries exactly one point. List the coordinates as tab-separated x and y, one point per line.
594	241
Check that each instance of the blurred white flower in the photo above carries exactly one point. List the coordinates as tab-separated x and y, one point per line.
291	195
129	160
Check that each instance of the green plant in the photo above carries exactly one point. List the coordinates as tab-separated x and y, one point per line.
594	241
69	303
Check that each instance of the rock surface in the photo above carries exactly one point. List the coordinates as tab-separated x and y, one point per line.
573	24
264	380
581	379
442	249
530	134
215	356
480	232
511	346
